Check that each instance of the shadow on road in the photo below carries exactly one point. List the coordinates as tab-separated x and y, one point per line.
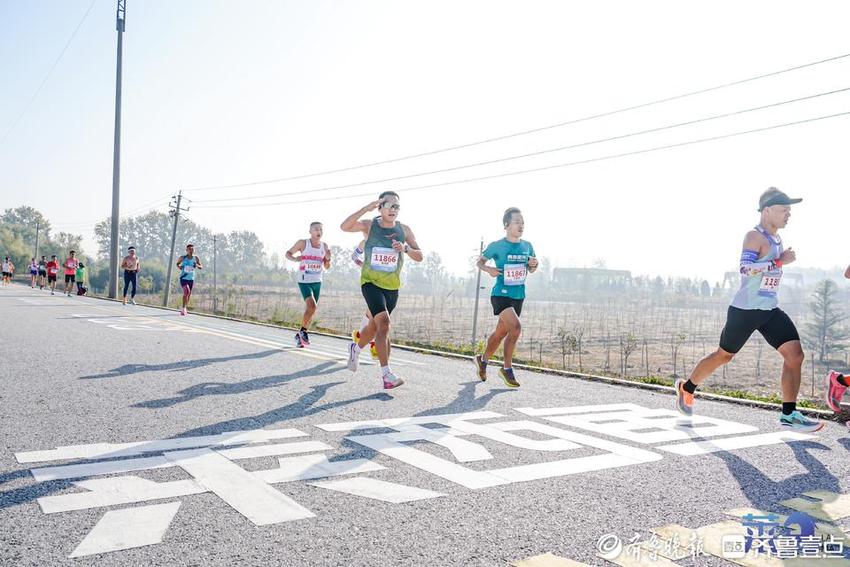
176	366
230	388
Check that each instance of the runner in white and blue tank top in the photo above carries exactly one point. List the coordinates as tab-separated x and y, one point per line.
755	308
836	382
313	259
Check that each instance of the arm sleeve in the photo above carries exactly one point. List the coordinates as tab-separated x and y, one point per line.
750	267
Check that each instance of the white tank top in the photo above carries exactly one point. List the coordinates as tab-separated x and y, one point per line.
312	263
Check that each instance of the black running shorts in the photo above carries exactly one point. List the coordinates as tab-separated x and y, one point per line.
379	299
69	278
774	325
500	303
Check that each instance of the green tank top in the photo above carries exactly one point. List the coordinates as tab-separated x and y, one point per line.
381	264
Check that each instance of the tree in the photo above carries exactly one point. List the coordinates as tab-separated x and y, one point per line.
824	333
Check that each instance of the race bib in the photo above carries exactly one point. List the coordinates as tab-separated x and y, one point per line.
384	260
770	283
53	271
188	269
515	274
312	268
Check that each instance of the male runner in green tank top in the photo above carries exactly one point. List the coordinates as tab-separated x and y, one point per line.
755	308
387	242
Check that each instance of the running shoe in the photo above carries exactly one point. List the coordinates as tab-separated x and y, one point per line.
52	293
373	350
355	336
480	367
305	338
798	422
391	381
133	301
298	342
684	399
507	375
353	357
834	391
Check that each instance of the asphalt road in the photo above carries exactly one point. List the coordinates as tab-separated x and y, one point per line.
117	448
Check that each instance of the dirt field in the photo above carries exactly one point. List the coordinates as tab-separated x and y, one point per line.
637	337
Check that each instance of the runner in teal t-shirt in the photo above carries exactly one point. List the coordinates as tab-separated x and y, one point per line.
514	259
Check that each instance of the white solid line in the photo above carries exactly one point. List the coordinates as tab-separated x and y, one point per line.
714	446
309	467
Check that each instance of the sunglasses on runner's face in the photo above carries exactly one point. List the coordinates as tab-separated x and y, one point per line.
394	207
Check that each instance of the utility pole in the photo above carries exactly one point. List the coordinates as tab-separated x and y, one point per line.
477	292
175	212
120	17
37	227
215	270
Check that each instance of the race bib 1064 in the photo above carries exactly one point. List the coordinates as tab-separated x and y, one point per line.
515	274
384	259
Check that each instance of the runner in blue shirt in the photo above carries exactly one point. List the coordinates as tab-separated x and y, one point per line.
514	259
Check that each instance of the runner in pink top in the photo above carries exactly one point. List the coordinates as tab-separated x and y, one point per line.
71	264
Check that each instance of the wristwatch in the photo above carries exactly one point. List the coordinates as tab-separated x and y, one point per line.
406	247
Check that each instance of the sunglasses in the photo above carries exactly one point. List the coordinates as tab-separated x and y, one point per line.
395	207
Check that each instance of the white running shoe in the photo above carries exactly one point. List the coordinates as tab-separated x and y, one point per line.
133	301
391	381
353	357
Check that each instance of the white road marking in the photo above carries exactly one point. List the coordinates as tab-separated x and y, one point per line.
111	533
309	467
273	450
378	490
117	490
244	492
716	445
106	450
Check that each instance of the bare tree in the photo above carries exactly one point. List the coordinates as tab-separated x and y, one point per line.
676	341
824	333
628	344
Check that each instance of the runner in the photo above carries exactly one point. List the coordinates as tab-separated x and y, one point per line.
836	382
42	272
357	256
314	257
131	266
33	273
8	271
387	240
71	264
80	277
188	263
514	259
754	308
52	271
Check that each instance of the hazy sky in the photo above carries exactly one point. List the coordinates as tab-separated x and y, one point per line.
242	91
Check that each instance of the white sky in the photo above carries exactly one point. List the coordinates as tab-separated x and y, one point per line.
229	92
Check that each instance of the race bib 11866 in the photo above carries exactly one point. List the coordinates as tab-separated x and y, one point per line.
384	259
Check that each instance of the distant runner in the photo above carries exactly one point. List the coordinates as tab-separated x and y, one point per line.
42	272
514	259
52	272
131	266
314	257
755	308
80	277
8	271
836	382
33	273
71	263
387	242
188	263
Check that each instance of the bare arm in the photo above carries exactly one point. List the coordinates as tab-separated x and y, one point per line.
847	272
753	249
180	261
198	263
481	264
354	224
327	259
297	247
413	249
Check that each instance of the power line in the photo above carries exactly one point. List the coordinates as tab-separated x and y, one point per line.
525	132
533	154
549	167
47	76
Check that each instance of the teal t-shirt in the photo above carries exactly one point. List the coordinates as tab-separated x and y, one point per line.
511	259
